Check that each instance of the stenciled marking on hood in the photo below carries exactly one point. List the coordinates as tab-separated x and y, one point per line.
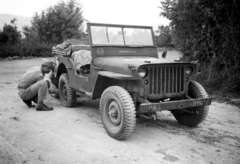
127	51
134	59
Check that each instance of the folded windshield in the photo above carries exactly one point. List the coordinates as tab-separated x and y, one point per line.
128	36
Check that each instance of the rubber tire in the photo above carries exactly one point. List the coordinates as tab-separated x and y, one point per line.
70	101
122	98
192	120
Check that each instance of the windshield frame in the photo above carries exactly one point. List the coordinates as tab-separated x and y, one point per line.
89	25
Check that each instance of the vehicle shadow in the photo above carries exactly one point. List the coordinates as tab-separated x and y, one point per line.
165	120
168	124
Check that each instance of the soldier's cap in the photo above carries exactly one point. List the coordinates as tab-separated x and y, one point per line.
47	62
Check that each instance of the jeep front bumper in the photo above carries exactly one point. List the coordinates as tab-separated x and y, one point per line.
174	105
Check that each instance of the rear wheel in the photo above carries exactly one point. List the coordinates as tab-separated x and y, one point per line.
66	94
193	116
117	112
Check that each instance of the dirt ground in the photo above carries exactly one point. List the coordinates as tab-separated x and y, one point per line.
76	135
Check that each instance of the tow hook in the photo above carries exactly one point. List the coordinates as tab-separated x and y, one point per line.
152	117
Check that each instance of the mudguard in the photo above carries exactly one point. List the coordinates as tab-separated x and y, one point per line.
118	76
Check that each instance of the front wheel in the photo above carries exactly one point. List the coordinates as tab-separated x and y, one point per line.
193	116
66	94
117	112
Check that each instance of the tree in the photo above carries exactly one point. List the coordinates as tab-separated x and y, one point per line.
10	39
59	22
10	34
210	29
163	36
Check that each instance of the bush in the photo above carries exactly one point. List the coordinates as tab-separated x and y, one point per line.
35	49
10	51
209	32
7	51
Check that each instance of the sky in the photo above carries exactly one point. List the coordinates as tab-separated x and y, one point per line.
133	12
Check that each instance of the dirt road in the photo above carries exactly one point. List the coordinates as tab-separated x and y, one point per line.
76	135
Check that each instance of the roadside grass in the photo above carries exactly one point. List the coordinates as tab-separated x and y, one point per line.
217	93
232	98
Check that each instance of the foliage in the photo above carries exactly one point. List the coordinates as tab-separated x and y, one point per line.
163	36
58	23
208	30
10	35
53	25
8	51
10	39
35	50
31	46
12	46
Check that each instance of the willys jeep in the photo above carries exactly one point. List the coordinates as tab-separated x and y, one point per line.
122	68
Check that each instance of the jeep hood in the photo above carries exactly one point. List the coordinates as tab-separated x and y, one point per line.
124	65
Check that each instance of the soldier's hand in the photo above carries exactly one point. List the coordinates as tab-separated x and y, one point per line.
48	76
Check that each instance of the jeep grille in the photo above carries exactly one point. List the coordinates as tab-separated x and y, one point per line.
166	80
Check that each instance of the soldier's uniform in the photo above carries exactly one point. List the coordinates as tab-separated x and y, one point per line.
33	84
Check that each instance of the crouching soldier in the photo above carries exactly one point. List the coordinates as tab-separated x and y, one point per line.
34	84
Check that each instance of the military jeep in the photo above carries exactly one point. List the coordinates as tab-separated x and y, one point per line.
121	67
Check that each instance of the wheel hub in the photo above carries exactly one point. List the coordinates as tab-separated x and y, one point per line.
114	113
64	91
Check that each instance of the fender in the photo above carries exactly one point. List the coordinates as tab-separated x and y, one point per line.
106	79
118	76
65	66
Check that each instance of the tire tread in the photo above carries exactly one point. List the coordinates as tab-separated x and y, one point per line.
203	111
129	111
71	100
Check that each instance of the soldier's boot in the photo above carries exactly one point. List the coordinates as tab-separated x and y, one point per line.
28	103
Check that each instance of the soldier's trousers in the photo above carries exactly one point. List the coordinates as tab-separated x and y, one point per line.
39	89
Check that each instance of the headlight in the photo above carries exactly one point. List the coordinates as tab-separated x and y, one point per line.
142	72
189	70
